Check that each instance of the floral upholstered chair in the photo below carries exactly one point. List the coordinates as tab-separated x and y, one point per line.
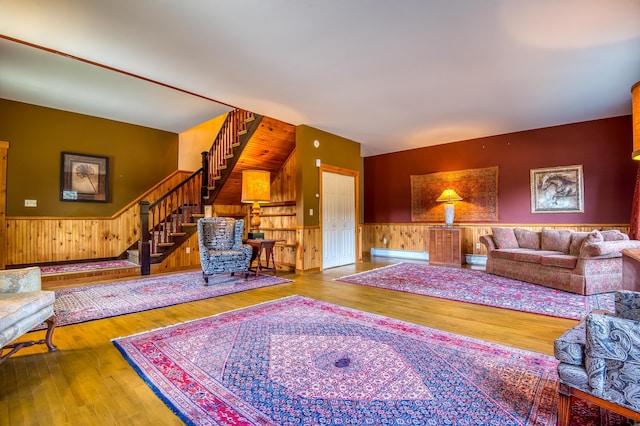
600	360
221	248
23	305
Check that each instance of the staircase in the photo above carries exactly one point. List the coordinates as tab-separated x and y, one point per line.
170	220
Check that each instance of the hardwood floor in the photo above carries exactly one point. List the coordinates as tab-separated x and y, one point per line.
88	382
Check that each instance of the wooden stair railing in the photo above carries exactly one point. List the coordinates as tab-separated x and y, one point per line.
172	218
163	223
219	161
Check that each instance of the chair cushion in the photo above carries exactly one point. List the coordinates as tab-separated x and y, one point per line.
226	255
16	306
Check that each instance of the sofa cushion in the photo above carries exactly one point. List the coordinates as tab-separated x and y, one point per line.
556	240
613	235
560	260
533	256
505	238
507	254
577	238
527	239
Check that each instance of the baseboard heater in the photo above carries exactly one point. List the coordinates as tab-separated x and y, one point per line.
471	259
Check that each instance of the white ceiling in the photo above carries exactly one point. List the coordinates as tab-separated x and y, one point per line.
392	75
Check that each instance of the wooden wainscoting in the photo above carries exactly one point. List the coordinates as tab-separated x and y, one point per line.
414	236
37	239
309	249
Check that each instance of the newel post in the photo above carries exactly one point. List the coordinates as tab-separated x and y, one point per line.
204	189
4	148
144	246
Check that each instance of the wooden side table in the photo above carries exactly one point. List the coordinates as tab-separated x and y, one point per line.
445	246
258	247
631	269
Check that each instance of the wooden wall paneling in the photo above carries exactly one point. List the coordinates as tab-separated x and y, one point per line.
179	259
283	186
400	236
309	249
36	240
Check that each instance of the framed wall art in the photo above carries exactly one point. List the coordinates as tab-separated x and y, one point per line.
477	187
83	177
557	190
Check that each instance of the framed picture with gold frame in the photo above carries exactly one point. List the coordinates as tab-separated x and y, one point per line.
557	190
84	177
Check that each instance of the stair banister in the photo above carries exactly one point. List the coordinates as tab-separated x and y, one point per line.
144	246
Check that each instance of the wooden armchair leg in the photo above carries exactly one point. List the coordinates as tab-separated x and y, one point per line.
564	404
48	340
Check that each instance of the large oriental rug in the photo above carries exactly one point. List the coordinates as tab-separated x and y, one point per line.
300	361
467	285
80	304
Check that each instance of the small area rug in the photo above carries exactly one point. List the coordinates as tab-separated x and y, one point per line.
80	304
88	266
297	361
467	285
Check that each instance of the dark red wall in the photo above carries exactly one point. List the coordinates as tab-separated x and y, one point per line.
603	147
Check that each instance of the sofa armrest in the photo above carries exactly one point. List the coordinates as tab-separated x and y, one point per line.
488	242
20	280
607	248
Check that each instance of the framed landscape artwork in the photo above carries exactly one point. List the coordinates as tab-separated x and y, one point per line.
557	190
83	177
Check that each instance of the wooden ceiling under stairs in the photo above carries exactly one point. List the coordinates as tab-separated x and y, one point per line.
268	149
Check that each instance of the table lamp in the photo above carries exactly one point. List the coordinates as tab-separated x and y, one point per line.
256	189
447	197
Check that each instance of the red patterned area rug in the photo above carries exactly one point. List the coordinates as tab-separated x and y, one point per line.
88	266
80	304
467	285
297	361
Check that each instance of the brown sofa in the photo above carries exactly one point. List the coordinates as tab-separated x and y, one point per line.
579	262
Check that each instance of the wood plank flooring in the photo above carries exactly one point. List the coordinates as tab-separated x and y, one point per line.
88	382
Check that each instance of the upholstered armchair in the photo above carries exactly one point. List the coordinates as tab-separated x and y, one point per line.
221	248
23	305
600	360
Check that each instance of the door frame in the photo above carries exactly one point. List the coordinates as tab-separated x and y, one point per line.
357	228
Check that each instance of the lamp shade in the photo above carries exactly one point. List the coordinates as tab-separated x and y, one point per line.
256	186
449	195
635	119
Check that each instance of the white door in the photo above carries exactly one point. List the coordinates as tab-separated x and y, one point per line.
338	220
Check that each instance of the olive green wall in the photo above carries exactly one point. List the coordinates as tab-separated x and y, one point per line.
139	157
332	150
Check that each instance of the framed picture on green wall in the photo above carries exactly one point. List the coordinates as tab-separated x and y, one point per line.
83	177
